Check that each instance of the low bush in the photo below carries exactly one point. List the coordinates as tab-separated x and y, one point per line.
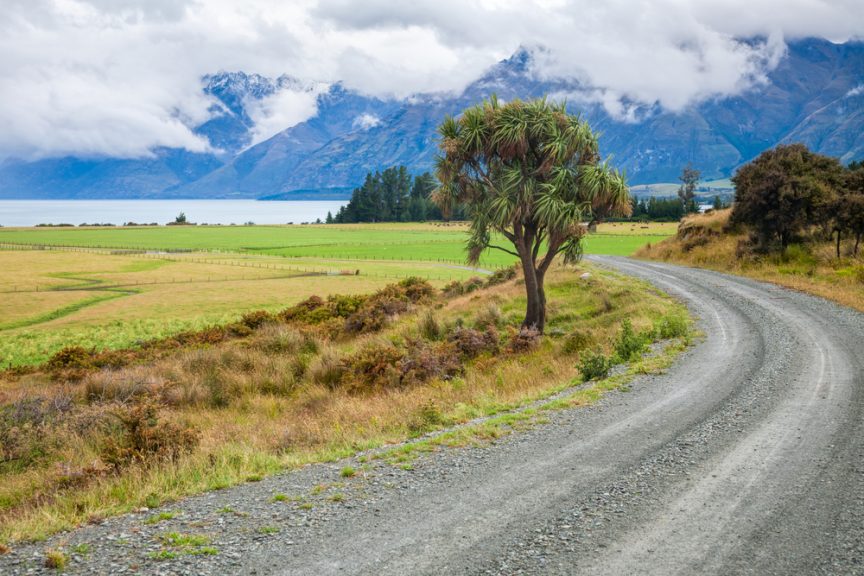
72	361
373	366
594	366
471	343
424	362
145	439
629	345
256	319
672	326
576	342
472	284
524	340
453	289
501	276
417	289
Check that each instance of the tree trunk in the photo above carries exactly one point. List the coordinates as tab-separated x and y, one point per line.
541	298
857	241
838	244
532	312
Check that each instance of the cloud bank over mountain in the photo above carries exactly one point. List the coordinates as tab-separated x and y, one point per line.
123	78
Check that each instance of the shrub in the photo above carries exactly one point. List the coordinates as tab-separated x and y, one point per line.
453	289
417	289
366	320
524	340
472	284
501	276
672	326
374	365
576	342
594	366
300	312
471	343
71	358
256	319
629	344
425	362
144	439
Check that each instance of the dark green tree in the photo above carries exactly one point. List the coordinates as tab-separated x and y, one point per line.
785	191
848	208
687	191
528	173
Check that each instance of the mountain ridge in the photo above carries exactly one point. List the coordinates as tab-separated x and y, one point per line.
815	95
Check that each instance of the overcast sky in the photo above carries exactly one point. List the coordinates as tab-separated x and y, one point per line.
119	77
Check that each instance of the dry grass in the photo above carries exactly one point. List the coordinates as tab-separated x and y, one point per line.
283	397
705	242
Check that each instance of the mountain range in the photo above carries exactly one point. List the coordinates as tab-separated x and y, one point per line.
814	95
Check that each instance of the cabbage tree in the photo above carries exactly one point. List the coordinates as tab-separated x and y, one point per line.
528	174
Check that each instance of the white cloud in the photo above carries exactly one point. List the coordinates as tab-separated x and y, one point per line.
855	91
366	121
282	110
120	77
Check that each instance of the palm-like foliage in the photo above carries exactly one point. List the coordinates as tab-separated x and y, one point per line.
530	173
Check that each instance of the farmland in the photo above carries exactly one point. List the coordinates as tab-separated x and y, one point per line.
116	287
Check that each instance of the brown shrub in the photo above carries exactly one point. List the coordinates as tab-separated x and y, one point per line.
424	362
145	439
472	284
524	340
471	343
453	289
417	289
375	365
256	319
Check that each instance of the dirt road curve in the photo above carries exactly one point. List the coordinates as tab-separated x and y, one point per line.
747	457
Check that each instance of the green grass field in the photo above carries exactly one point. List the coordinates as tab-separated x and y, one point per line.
71	286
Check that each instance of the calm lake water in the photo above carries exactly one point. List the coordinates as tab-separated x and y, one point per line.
32	212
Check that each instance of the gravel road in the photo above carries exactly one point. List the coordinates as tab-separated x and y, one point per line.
746	457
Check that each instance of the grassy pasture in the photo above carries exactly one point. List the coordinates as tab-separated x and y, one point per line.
72	296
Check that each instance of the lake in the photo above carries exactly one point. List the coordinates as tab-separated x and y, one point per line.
32	212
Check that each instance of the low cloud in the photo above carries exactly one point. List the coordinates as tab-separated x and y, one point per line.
121	77
366	121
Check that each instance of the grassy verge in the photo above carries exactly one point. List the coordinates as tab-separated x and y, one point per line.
318	382
704	241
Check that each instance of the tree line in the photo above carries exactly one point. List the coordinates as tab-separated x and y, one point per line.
789	194
393	195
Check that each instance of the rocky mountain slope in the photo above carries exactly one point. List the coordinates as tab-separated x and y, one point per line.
815	95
